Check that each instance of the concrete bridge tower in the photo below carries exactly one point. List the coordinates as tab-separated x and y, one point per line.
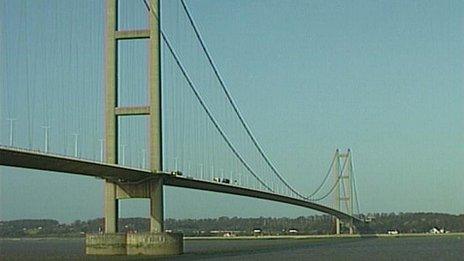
156	242
342	172
336	175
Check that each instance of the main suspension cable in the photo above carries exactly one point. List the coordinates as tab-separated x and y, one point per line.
202	103
339	176
325	178
234	106
354	186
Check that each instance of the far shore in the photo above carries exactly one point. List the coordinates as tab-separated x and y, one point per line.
324	236
266	237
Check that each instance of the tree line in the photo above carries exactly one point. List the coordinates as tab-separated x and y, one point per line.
309	225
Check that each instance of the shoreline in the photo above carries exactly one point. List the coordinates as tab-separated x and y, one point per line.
343	236
274	237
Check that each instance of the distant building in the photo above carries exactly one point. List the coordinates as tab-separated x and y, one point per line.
224	233
228	234
369	219
435	230
293	231
393	232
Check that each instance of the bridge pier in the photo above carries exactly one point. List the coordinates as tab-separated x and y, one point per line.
346	224
156	206
337	226
111	206
155	194
154	242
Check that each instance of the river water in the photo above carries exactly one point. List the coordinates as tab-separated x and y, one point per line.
391	248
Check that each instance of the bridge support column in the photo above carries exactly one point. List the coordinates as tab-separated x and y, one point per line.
336	174
343	178
111	208
111	123
154	242
337	226
156	206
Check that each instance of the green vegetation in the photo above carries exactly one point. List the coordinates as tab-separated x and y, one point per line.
312	225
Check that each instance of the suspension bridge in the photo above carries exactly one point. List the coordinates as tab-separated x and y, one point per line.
169	116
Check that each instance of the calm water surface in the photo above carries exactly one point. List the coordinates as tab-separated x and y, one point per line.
416	248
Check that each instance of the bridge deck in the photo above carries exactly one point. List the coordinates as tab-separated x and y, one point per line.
41	161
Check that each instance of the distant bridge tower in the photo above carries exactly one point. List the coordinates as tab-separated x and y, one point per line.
342	170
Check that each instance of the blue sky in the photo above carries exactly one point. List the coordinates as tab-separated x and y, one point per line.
383	78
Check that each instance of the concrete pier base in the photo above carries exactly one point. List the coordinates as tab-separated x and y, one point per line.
105	244
156	244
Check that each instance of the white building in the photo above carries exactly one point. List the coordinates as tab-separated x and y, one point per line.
293	231
437	231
